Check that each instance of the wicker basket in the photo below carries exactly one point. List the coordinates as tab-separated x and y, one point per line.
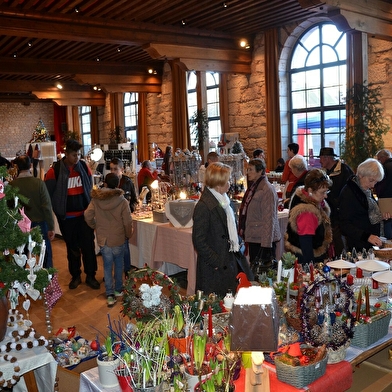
367	334
384	254
300	376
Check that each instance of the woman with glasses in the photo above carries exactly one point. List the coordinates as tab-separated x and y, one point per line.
309	229
359	215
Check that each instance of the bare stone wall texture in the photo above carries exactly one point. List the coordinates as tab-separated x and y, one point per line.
17	123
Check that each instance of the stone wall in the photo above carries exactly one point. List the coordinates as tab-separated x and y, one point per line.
380	73
17	123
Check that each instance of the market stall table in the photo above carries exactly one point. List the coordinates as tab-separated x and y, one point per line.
89	380
37	359
164	247
169	249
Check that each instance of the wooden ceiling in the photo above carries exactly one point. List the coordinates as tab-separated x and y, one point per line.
111	44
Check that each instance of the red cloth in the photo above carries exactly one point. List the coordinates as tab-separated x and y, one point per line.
337	378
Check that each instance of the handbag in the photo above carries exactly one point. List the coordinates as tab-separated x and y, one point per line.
263	262
243	265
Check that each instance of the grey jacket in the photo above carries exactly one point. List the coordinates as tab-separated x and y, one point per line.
262	225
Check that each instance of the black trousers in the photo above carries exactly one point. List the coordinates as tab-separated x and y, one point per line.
79	239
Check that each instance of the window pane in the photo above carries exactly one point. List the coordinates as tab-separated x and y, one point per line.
298	81
298	99
312	79
299	57
313	98
331	96
330	34
131	116
314	57
329	55
314	125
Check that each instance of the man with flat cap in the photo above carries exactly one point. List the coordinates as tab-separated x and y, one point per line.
339	173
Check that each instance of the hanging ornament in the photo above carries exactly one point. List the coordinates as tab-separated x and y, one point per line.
25	223
2	194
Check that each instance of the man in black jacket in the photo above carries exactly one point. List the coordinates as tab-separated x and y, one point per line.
384	187
339	173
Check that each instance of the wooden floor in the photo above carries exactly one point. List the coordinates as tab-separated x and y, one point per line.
83	307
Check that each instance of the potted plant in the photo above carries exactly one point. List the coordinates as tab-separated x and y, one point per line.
143	356
108	363
365	124
198	369
288	260
199	128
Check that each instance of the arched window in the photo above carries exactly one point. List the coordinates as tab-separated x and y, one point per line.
317	82
212	98
131	116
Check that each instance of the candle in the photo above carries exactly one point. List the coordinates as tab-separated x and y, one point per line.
367	301
279	273
374	284
350	279
296	270
359	303
311	269
288	292
209	322
359	273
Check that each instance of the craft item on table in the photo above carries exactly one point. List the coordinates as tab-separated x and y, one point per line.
335	323
372	265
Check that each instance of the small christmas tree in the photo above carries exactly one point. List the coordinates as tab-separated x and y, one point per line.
365	125
15	234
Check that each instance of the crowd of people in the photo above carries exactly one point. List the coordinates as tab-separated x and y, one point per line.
331	209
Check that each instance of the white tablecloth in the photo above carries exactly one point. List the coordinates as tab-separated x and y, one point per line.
38	359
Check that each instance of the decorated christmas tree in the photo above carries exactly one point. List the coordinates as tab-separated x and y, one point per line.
21	247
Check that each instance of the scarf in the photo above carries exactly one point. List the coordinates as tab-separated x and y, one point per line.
374	212
224	202
244	206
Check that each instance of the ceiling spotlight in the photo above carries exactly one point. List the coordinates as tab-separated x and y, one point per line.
76	10
118	49
225	5
59	86
152	71
29	44
15	55
183	22
244	44
97	88
97	59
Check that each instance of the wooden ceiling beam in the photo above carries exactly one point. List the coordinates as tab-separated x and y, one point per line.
203	59
371	17
64	98
122	83
44	67
65	27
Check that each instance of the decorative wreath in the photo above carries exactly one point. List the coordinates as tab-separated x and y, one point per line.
335	327
148	293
